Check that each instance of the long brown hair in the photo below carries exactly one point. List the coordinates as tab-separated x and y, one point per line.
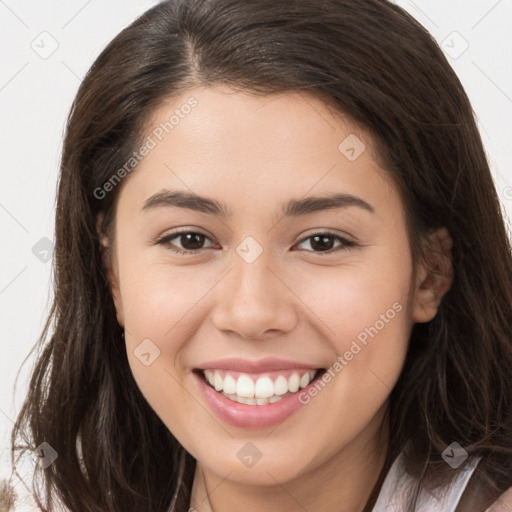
368	59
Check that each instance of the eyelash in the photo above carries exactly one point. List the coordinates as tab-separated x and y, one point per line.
346	244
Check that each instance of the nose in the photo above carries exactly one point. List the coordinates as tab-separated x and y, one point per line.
255	301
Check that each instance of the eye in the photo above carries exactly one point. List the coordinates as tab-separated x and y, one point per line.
191	241
324	242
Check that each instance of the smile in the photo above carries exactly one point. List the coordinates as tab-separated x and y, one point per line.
258	389
248	394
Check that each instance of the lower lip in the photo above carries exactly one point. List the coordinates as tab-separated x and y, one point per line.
250	416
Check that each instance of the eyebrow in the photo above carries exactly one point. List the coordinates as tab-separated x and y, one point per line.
294	207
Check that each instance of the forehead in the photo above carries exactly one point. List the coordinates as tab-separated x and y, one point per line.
249	123
252	150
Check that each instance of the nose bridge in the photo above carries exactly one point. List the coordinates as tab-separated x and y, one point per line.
255	284
254	299
254	278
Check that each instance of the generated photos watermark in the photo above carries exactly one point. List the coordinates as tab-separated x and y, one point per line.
157	135
357	345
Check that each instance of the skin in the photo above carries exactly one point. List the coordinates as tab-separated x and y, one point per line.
293	302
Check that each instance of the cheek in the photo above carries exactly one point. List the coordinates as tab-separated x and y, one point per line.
161	308
157	301
366	317
356	300
368	328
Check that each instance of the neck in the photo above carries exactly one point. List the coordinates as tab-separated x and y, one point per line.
342	483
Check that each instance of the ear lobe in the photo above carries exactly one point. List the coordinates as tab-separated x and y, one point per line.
105	249
107	257
434	275
102	237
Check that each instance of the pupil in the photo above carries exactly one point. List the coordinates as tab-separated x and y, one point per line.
323	242
191	239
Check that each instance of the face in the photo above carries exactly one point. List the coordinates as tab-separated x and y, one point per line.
298	309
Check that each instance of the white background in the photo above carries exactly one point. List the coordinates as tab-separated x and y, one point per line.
36	94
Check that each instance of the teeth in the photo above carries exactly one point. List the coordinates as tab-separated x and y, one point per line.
244	386
210	377
293	383
229	386
218	382
264	388
304	381
281	385
263	391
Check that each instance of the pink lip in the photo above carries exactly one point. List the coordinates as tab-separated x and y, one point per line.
269	364
250	416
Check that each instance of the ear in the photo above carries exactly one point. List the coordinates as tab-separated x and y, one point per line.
110	265
434	275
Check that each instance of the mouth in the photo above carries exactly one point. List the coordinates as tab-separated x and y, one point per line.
258	389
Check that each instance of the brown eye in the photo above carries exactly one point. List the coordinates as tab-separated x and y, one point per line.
324	242
191	242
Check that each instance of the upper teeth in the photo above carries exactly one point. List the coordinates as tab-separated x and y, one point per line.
264	387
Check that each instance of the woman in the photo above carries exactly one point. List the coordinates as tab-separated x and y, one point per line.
283	281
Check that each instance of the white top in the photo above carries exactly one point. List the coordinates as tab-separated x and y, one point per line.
398	488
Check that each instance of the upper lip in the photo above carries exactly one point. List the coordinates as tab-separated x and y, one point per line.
269	364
